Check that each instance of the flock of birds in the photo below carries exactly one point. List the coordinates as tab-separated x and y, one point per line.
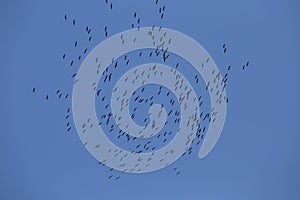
144	97
140	102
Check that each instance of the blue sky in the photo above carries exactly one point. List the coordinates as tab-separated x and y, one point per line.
257	155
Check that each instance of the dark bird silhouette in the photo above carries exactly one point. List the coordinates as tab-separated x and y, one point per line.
73	22
65	17
98	92
33	90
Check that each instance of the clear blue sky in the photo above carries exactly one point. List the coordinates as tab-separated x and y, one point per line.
257	156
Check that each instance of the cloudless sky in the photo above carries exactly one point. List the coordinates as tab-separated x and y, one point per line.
257	155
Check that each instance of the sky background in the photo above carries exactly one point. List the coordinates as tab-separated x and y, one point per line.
257	155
